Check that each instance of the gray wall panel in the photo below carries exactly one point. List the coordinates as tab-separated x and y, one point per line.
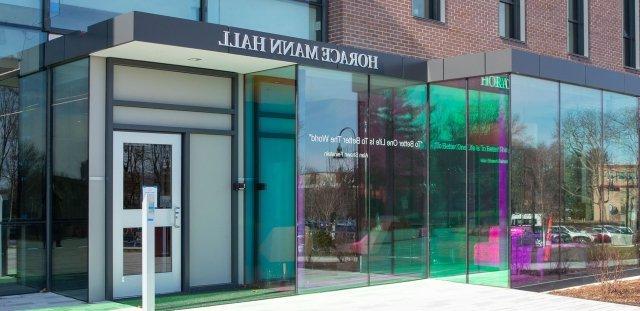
604	79
499	62
525	63
464	66
435	70
632	84
559	69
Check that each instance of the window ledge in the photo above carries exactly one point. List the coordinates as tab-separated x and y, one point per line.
632	69
582	57
513	40
431	20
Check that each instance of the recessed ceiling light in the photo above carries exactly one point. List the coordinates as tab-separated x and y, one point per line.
195	59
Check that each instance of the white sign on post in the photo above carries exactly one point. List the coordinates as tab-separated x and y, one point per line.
149	204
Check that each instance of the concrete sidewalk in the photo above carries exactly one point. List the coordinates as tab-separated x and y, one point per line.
425	295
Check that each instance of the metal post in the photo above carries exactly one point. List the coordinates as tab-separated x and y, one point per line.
149	203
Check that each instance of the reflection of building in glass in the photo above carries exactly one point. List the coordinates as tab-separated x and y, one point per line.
620	191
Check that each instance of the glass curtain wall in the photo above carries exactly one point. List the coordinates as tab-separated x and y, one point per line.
295	18
619	216
270	179
361	202
70	147
488	180
535	173
585	140
79	14
468	180
22	189
21	12
447	180
397	174
332	220
582	181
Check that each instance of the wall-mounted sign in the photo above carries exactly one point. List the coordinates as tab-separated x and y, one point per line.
297	49
499	82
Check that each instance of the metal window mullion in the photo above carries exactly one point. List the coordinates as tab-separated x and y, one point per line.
46	15
466	181
636	37
515	19
48	179
204	10
585	27
522	24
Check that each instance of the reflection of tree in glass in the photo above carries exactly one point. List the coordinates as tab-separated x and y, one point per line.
583	156
9	106
534	171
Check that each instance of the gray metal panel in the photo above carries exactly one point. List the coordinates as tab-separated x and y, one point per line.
174	107
498	61
469	65
84	43
415	69
122	29
525	63
562	70
54	51
632	84
178	32
435	70
604	79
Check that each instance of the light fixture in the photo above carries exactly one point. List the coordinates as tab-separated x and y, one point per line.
195	59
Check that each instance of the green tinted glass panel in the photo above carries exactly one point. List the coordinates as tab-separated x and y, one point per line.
270	179
397	181
487	180
447	184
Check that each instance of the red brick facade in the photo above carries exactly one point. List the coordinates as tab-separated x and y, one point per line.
472	27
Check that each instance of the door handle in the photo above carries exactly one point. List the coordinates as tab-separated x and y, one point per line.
176	216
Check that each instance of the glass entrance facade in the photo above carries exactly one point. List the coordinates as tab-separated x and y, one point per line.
574	189
499	180
44	181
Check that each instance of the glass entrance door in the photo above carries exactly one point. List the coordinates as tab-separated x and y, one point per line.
146	159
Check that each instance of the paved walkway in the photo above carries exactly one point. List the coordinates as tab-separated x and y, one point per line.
425	295
35	301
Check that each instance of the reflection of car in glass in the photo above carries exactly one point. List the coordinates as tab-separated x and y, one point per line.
617	235
625	230
576	235
599	236
561	238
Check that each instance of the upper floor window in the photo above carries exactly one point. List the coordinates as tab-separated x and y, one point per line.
578	35
295	18
431	9
301	19
630	33
511	19
78	15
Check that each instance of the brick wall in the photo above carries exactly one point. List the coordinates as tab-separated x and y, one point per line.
472	26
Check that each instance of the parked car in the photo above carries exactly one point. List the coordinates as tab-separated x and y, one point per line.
561	238
600	235
577	236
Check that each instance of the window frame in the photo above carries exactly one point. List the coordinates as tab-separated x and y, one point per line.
434	10
631	34
578	27
515	27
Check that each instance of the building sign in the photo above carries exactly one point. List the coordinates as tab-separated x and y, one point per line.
302	50
499	82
